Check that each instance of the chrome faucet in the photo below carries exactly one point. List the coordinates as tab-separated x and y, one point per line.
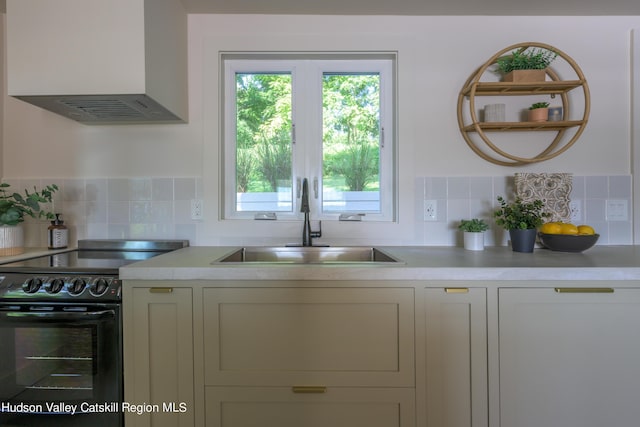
307	234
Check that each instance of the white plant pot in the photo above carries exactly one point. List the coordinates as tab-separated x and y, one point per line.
473	241
11	240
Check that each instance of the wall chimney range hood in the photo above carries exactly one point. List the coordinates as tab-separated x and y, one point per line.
100	62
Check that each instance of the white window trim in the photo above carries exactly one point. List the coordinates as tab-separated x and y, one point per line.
307	150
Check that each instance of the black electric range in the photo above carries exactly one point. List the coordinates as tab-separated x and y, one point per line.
61	334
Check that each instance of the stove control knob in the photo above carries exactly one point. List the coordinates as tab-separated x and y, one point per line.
76	286
32	285
54	286
99	287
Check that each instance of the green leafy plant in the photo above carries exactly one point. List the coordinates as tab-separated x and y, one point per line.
528	59
14	206
474	225
520	215
539	105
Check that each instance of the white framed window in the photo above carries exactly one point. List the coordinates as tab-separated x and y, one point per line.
329	118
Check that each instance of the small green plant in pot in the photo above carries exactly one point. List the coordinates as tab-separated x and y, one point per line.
513	64
473	233
521	219
474	225
539	112
14	207
538	105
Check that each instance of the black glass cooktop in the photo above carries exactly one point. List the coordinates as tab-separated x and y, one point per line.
99	260
79	260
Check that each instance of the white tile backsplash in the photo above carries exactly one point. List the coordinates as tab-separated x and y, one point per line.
619	187
458	187
435	188
159	207
162	189
596	187
118	189
475	197
481	188
96	190
118	208
184	188
139	188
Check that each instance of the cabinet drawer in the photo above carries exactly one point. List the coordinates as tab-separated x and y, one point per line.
328	336
337	407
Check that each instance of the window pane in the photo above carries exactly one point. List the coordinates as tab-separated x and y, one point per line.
351	142
263	142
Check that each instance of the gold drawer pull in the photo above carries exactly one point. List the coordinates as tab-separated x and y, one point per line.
160	290
584	290
456	290
309	389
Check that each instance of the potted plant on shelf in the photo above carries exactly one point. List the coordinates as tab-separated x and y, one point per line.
13	209
521	219
473	233
526	65
539	112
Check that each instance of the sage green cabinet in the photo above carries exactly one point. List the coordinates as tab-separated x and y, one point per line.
455	343
569	357
353	353
334	356
158	355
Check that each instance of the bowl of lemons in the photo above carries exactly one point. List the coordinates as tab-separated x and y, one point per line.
567	237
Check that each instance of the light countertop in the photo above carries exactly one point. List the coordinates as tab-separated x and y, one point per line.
420	263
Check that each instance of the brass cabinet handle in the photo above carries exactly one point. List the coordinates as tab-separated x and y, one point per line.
160	290
309	389
584	290
456	290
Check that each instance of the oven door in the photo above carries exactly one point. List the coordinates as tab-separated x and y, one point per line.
61	365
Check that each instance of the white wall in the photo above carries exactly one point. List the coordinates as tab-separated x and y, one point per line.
436	56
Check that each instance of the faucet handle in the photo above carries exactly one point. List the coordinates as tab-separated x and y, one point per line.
317	233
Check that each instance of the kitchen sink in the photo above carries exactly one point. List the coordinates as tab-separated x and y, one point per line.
308	255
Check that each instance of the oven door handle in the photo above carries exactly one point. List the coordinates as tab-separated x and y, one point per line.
57	315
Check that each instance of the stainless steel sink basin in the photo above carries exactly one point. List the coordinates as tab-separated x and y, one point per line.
309	255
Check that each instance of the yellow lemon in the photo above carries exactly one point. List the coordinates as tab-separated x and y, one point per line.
568	228
586	229
551	228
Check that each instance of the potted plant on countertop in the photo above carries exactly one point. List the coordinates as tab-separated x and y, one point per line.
473	233
525	65
539	112
521	219
13	209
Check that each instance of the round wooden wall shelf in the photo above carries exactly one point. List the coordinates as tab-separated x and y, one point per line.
565	132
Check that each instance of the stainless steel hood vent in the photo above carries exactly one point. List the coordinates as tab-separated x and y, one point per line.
105	109
100	62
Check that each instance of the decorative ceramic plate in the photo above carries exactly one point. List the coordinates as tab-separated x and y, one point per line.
552	188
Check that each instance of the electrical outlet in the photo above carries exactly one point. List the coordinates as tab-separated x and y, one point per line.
617	210
196	209
575	208
430	210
